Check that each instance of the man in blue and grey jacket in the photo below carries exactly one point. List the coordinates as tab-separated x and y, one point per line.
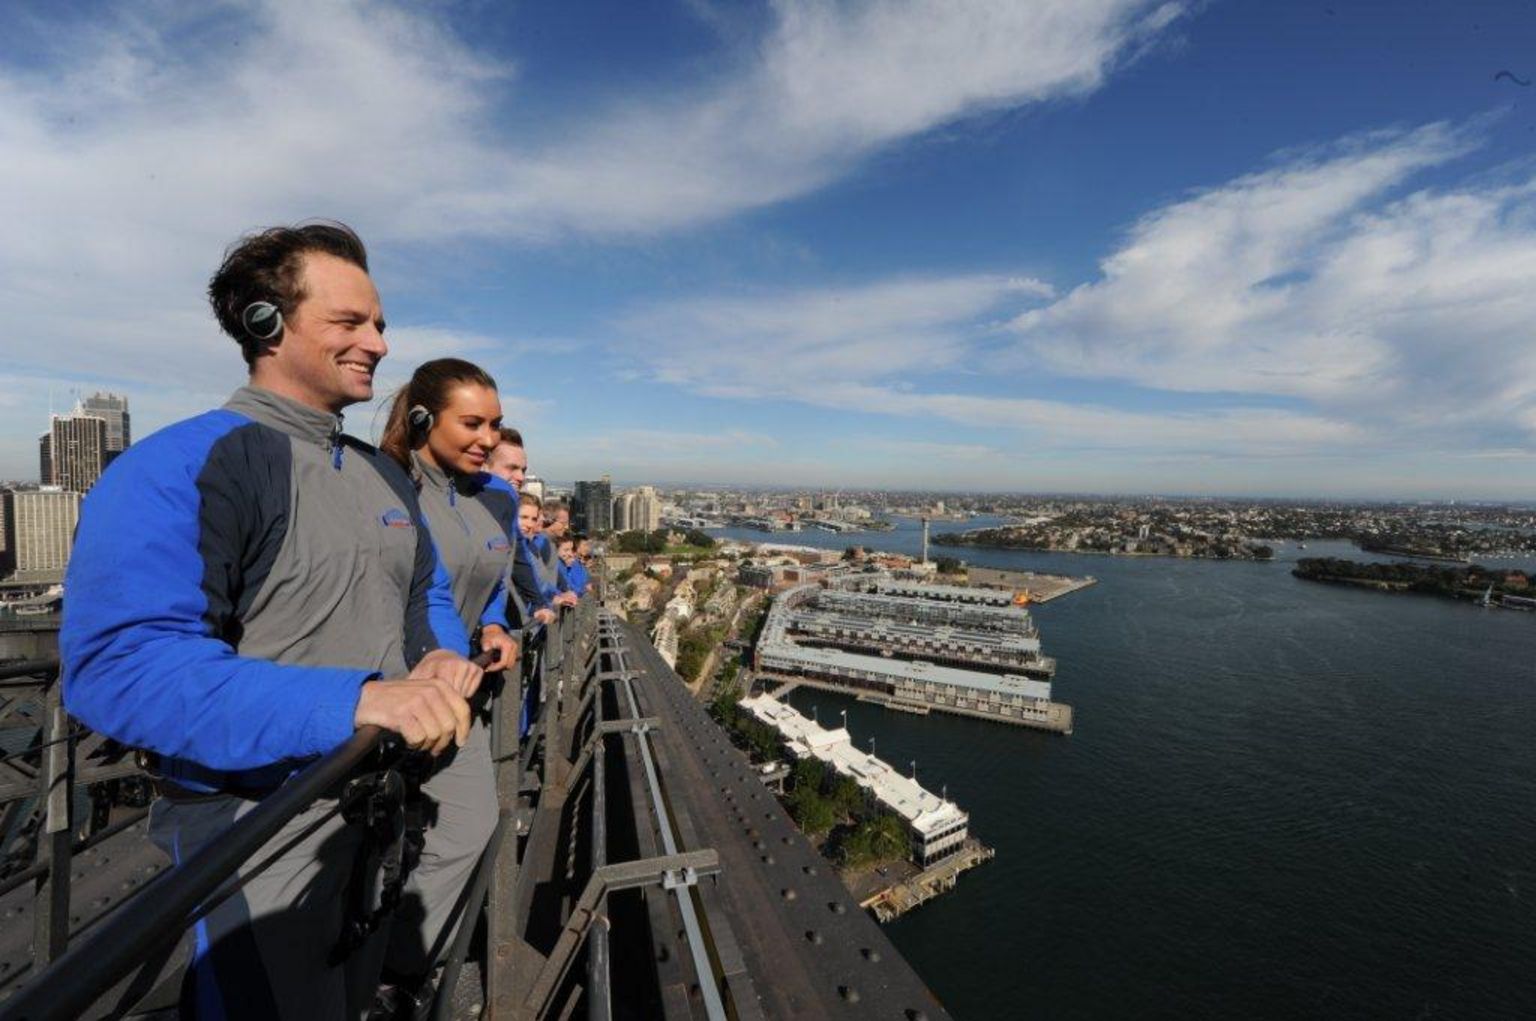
248	587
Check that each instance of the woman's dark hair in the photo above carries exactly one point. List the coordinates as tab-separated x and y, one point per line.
268	266
429	387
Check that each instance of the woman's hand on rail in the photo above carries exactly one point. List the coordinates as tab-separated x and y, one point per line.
494	638
462	675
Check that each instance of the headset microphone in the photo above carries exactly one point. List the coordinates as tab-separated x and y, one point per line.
262	320
420	418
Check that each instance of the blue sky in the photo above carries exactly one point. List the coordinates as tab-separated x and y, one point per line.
1090	245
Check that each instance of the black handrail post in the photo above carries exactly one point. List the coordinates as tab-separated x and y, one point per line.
50	920
501	922
485	870
599	1004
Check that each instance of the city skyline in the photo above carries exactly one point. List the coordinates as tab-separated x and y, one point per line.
1126	248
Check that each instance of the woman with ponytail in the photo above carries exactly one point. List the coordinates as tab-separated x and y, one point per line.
442	426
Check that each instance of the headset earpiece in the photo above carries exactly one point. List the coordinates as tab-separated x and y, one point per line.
262	320
420	418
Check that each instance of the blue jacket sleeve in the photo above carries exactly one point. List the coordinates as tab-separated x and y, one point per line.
157	560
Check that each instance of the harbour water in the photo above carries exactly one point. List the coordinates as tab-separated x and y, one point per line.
1282	800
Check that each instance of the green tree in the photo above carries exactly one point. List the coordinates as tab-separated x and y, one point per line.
809	773
811	810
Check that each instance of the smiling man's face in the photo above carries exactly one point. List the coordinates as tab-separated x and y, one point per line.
332	342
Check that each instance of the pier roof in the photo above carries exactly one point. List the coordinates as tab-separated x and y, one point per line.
918	672
924	811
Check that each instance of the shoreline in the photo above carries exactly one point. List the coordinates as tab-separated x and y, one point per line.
1098	552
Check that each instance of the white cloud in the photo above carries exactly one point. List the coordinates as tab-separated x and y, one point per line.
1409	316
770	343
876	348
146	137
1332	313
830	85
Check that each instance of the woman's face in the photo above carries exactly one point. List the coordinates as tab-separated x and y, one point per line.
528	520
466	430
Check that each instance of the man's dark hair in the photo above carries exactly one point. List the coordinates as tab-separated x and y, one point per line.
511	436
267	266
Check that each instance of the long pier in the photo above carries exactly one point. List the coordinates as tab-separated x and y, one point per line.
1056	719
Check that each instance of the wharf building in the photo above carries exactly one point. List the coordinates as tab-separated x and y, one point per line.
921	648
936	826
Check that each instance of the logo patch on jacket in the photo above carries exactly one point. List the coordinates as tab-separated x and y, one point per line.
397	518
498	545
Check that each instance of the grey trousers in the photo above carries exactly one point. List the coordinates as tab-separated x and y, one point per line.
461	814
262	954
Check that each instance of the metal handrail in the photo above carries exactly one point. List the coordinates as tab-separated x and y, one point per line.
91	967
94	967
173	900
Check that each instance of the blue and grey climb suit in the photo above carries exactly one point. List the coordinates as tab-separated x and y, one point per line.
465	517
235	579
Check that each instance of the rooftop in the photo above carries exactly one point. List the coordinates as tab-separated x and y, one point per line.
923	810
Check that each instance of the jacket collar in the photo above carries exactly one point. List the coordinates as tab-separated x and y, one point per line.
286	416
428	474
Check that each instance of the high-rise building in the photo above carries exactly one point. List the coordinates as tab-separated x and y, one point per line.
112	409
45	459
532	486
646	515
42	522
593	506
7	540
78	451
623	512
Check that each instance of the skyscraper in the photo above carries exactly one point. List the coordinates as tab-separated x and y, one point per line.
646	514
78	451
593	509
42	521
112	409
623	512
45	459
7	540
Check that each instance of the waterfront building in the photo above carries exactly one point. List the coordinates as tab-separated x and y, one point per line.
936	826
592	506
897	658
77	449
113	409
971	648
42	523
